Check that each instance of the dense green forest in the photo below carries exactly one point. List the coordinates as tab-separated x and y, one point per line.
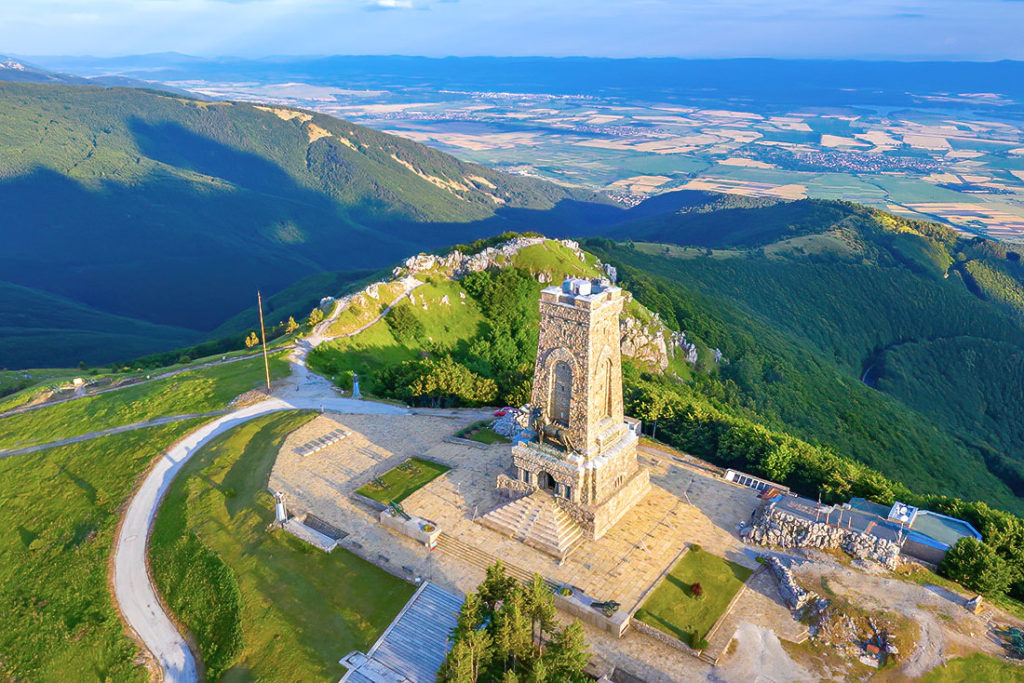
871	350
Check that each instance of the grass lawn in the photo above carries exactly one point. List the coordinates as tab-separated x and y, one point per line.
486	435
977	667
400	482
673	609
58	621
261	604
194	391
479	431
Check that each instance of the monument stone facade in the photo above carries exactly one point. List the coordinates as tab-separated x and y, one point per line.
580	448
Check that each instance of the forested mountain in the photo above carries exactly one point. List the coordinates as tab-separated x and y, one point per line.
895	342
172	210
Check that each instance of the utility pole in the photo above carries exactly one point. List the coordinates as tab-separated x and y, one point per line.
263	335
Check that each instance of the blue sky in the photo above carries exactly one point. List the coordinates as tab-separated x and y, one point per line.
865	29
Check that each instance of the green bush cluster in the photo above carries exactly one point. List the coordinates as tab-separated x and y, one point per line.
438	382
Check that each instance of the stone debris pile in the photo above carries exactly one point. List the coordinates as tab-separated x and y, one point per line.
792	594
510	424
773	527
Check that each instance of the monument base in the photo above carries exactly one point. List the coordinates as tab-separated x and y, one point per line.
595	493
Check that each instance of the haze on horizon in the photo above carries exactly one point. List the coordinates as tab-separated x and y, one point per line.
866	29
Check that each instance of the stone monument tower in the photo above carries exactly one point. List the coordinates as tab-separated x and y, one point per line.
580	452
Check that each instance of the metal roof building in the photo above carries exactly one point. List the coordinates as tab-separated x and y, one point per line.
413	647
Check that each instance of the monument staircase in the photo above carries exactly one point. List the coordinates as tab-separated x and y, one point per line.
538	521
470	554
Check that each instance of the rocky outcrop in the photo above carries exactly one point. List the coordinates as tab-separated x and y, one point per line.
773	527
644	342
680	344
792	594
456	264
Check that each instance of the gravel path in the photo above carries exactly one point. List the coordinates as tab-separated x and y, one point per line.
759	656
106	432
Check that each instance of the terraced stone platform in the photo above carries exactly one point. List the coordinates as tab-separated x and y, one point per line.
537	521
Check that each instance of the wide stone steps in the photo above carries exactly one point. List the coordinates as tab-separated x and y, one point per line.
479	558
538	521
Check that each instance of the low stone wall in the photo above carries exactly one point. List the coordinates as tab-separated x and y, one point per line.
792	594
615	624
467	442
661	636
772	527
367	501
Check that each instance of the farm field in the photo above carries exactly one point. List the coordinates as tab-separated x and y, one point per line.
958	162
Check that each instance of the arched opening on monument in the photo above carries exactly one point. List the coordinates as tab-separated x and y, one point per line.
561	393
546	481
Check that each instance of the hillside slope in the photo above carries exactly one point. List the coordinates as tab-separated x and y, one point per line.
857	343
863	332
174	210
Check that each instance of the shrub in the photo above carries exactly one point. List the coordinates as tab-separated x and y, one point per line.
404	324
696	590
695	548
976	565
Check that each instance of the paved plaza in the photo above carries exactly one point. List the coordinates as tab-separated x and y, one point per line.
685	505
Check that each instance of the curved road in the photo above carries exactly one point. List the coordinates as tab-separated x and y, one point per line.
133	590
135	594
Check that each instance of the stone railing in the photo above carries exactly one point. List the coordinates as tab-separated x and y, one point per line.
772	527
513	488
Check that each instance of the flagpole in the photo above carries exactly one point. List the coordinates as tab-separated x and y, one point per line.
263	334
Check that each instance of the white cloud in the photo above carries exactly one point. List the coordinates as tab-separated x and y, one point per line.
390	4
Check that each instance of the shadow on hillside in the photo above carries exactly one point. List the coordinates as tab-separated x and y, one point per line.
167	247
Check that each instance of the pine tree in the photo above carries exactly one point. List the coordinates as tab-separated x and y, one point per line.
567	653
540	605
513	643
497	586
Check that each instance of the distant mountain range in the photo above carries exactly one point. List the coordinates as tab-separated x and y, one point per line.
12	69
817	82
